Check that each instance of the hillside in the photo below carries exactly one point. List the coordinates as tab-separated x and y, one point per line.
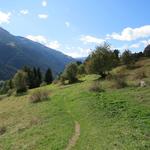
115	119
15	52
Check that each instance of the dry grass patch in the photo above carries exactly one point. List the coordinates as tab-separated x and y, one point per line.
139	74
39	96
96	87
119	83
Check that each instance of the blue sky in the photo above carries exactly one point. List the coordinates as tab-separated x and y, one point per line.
75	27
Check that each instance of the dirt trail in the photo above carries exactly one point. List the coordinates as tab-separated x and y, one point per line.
74	138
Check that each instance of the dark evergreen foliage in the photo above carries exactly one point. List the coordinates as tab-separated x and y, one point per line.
34	77
48	76
147	51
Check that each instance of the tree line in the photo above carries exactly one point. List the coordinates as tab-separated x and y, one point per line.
101	61
26	78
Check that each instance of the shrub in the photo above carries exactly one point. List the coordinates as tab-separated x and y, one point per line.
127	58
2	130
43	84
62	80
140	74
70	73
39	96
20	82
96	87
119	83
81	69
56	81
109	77
4	87
10	92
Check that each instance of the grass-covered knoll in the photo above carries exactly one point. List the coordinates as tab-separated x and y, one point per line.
111	119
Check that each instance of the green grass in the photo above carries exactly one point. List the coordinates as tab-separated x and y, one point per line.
110	120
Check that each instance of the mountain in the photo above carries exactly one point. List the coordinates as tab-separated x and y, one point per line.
16	52
82	59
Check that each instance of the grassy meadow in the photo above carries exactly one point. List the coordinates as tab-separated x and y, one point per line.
115	119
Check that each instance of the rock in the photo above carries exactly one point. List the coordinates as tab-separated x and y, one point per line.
142	83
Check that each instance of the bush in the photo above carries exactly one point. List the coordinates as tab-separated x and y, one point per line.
70	73
39	96
10	92
20	82
56	81
4	87
140	74
43	84
81	69
62	80
2	130
96	87
119	83
109	77
127	58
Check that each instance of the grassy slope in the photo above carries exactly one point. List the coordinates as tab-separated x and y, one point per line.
115	119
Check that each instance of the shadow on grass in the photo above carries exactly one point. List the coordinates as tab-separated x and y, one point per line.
21	94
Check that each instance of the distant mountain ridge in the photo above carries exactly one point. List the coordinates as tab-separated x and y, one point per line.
82	59
16	52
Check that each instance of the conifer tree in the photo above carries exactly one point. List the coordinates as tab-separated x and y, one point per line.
39	76
48	76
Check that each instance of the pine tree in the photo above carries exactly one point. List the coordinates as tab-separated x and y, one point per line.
35	79
48	76
39	76
30	76
34	76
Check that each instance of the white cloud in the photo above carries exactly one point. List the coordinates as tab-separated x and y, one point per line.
43	16
129	34
145	42
53	44
91	39
77	52
136	45
44	3
24	12
43	40
67	24
73	54
123	47
37	38
4	17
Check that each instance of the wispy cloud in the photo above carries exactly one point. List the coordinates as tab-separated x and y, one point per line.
67	24
53	44
43	40
136	45
37	38
44	3
145	42
129	34
77	52
43	16
24	12
91	39
5	17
